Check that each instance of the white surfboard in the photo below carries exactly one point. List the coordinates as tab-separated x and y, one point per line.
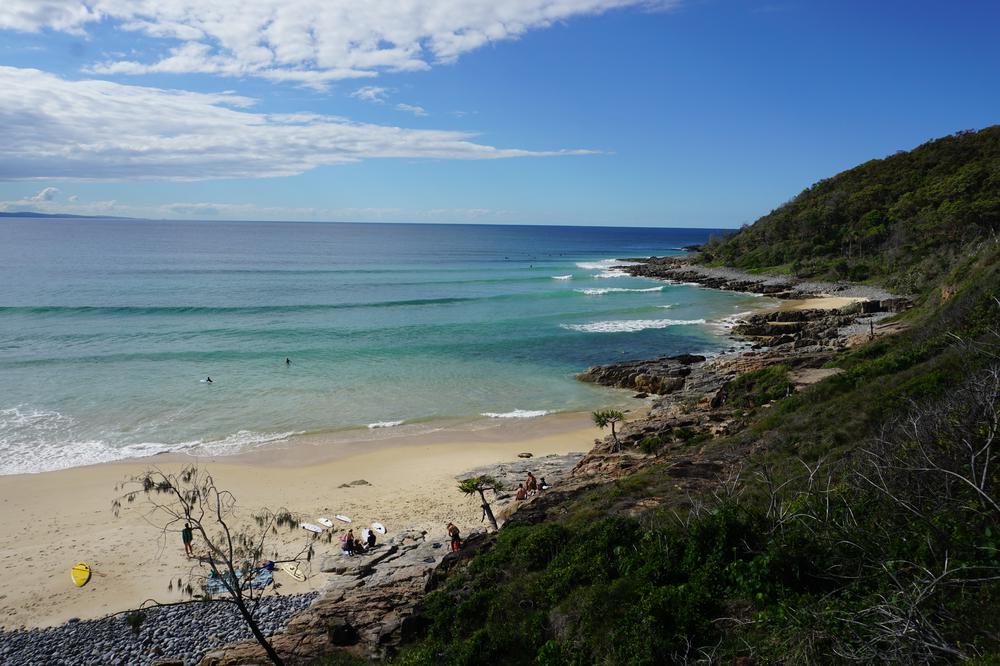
378	527
292	569
325	522
312	528
341	517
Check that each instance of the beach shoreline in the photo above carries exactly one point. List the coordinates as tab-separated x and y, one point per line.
55	519
407	482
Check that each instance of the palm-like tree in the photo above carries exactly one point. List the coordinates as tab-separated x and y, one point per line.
480	484
609	417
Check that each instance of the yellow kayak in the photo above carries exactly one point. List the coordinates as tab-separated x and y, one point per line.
80	574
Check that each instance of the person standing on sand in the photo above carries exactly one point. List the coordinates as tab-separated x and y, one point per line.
187	536
455	536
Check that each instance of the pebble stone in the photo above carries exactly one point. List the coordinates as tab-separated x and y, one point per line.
180	632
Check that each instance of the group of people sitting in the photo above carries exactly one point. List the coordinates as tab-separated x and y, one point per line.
531	486
350	545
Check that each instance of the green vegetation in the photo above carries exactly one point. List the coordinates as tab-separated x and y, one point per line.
903	221
609	417
759	387
864	525
479	485
651	444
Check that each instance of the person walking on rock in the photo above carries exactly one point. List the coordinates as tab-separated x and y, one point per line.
455	536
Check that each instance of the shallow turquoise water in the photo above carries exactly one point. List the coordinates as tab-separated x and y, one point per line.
108	327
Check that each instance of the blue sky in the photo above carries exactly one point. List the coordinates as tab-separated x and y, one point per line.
610	112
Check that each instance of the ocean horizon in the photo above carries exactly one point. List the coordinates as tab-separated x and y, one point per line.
109	329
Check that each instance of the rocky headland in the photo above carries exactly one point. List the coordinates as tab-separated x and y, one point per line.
370	604
369	607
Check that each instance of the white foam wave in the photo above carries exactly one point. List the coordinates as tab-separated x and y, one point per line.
562	277
384	424
39	440
611	273
517	414
629	325
238	441
604	264
616	290
667	306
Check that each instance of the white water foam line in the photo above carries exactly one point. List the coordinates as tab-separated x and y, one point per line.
517	414
604	264
616	290
629	325
384	424
38	440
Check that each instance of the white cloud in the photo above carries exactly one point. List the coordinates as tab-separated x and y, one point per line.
345	214
308	41
57	129
374	94
47	194
75	207
250	211
412	108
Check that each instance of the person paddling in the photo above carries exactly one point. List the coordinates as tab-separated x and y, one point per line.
208	380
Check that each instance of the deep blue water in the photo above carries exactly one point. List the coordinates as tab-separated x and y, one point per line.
108	327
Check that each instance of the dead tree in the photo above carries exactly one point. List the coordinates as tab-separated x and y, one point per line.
232	550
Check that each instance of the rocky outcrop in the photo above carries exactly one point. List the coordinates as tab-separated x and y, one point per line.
366	610
684	269
660	376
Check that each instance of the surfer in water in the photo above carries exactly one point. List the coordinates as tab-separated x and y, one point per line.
208	380
288	361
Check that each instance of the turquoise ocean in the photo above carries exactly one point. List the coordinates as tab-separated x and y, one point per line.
108	329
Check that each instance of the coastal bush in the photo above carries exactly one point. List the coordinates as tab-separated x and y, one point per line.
651	444
758	387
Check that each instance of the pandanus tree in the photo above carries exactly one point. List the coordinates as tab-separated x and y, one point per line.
479	485
609	417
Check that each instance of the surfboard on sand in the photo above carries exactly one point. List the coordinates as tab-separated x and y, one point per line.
378	527
80	573
312	528
341	517
292	569
325	522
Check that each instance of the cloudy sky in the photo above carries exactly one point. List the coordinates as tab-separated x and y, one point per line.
615	112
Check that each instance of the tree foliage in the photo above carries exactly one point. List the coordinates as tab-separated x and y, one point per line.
604	418
228	567
902	221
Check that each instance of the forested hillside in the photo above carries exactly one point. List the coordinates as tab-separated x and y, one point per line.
860	521
902	221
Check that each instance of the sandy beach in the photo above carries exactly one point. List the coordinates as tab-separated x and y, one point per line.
54	519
